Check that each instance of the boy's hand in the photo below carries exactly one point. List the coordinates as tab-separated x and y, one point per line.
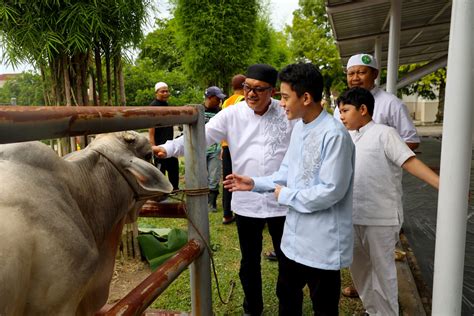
277	191
235	182
159	152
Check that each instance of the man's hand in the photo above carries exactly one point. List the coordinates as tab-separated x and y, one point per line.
235	182
159	151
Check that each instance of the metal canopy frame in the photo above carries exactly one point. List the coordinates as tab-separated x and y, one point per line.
424	32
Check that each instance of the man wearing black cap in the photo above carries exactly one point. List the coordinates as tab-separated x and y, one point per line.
258	133
213	99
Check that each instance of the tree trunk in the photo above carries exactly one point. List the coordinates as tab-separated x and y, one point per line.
78	79
47	100
67	80
115	80
441	97
121	82
93	87
108	75
98	69
83	66
55	90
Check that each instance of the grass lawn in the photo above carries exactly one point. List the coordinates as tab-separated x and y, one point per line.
226	254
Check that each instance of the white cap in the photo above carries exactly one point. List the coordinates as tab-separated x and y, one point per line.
160	85
362	60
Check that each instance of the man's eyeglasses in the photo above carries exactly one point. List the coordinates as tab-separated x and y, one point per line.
257	90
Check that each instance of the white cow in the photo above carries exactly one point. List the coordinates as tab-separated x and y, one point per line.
61	221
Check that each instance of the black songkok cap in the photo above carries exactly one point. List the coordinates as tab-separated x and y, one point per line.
263	72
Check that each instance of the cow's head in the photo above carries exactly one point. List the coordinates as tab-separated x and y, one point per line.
131	153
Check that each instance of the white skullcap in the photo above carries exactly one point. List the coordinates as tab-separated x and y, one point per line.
160	85
362	60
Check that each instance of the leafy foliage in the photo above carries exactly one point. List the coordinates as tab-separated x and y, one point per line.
215	37
426	86
141	79
59	36
312	40
270	45
161	46
26	88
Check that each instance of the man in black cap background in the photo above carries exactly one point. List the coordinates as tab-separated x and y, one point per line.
258	133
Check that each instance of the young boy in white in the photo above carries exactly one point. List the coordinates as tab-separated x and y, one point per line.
315	182
377	204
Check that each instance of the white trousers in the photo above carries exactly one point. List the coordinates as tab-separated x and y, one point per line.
373	268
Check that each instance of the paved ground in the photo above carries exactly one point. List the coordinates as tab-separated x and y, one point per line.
420	206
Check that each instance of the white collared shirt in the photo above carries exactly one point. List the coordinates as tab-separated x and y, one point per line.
380	153
257	145
317	174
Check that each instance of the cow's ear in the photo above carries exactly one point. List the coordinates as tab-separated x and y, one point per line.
129	138
149	177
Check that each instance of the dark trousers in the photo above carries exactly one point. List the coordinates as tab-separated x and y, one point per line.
226	170
171	166
250	231
324	288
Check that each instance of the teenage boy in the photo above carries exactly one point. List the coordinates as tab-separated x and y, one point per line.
377	204
258	133
315	182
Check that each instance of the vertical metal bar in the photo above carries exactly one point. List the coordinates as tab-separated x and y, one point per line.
196	178
394	46
378	57
455	168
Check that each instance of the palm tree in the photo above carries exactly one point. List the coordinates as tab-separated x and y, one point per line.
66	41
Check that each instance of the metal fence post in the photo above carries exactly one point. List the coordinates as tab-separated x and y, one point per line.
196	178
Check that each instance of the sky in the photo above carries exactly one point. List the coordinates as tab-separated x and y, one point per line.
281	14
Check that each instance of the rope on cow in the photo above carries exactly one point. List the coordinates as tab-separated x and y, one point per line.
208	247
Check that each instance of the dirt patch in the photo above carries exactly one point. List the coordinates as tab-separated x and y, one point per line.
127	275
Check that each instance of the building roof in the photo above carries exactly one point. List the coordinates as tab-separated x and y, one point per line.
424	28
5	77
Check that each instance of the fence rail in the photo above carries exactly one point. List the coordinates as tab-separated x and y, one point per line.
22	123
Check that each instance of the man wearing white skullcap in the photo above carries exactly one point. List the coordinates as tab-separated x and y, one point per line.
362	70
160	135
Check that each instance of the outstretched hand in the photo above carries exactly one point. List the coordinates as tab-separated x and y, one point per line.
159	152
236	182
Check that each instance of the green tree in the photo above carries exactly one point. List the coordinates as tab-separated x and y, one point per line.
142	76
270	45
66	41
312	40
216	38
161	46
26	88
427	86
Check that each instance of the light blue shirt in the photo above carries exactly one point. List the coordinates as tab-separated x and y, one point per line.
317	173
